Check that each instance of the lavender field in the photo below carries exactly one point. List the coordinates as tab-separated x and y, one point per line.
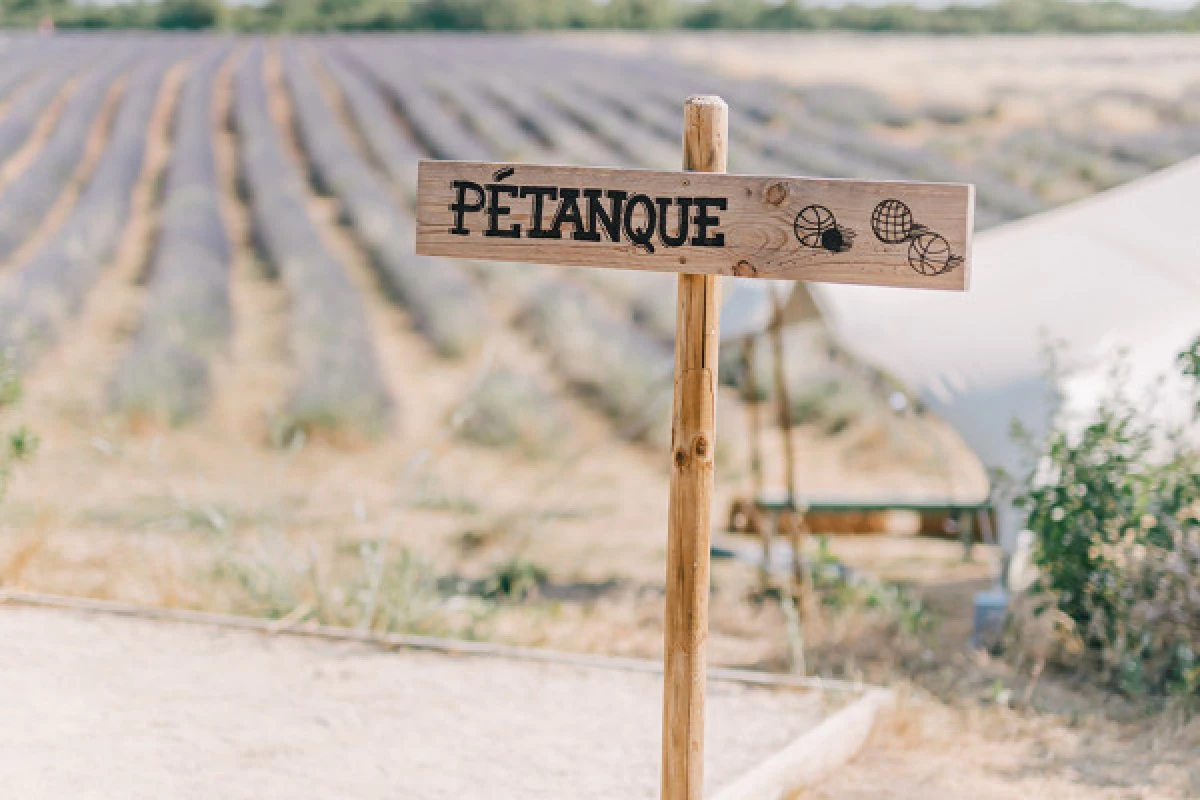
339	123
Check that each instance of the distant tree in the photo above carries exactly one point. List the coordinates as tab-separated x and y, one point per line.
641	14
192	15
1003	16
503	15
725	14
791	14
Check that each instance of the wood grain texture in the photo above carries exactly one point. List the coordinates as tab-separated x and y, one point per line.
773	227
689	521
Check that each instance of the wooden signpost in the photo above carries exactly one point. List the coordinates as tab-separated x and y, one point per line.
702	224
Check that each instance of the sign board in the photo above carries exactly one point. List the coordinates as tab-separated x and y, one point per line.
700	223
883	233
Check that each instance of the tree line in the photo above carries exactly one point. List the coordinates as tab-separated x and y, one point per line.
1004	16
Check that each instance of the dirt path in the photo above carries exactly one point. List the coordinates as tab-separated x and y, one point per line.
103	707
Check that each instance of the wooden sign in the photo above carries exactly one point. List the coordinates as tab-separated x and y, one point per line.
702	224
882	233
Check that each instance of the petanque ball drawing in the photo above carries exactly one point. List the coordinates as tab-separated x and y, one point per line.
930	254
892	222
816	227
928	251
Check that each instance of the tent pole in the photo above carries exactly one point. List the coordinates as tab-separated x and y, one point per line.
753	414
794	525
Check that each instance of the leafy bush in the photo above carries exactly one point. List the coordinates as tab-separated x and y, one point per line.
516	579
1115	508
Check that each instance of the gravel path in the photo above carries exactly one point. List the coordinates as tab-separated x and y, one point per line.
93	706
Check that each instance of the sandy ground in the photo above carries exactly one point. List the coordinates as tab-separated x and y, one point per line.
926	751
101	707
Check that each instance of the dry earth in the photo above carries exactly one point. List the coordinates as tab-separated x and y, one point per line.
101	707
924	750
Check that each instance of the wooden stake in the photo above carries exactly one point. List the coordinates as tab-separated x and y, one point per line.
754	519
751	399
790	521
693	443
783	400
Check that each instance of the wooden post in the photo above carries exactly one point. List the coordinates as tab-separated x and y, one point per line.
966	529
693	443
783	400
793	524
750	398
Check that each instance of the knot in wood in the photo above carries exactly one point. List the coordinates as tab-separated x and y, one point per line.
701	446
680	458
744	269
776	193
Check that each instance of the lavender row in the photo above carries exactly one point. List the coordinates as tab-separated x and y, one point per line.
396	153
32	101
187	318
339	383
444	304
49	290
617	368
438	132
26	201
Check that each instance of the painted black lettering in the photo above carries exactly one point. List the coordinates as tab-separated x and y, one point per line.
642	236
568	211
495	211
705	220
540	195
598	216
679	238
461	207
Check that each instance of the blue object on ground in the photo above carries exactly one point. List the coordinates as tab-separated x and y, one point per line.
991	610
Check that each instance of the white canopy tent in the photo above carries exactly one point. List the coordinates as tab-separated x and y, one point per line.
1118	271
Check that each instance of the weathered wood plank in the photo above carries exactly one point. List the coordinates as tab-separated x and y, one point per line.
886	233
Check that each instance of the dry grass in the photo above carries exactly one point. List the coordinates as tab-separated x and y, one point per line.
924	749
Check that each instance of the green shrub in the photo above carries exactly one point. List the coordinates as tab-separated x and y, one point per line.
517	579
18	444
1115	508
